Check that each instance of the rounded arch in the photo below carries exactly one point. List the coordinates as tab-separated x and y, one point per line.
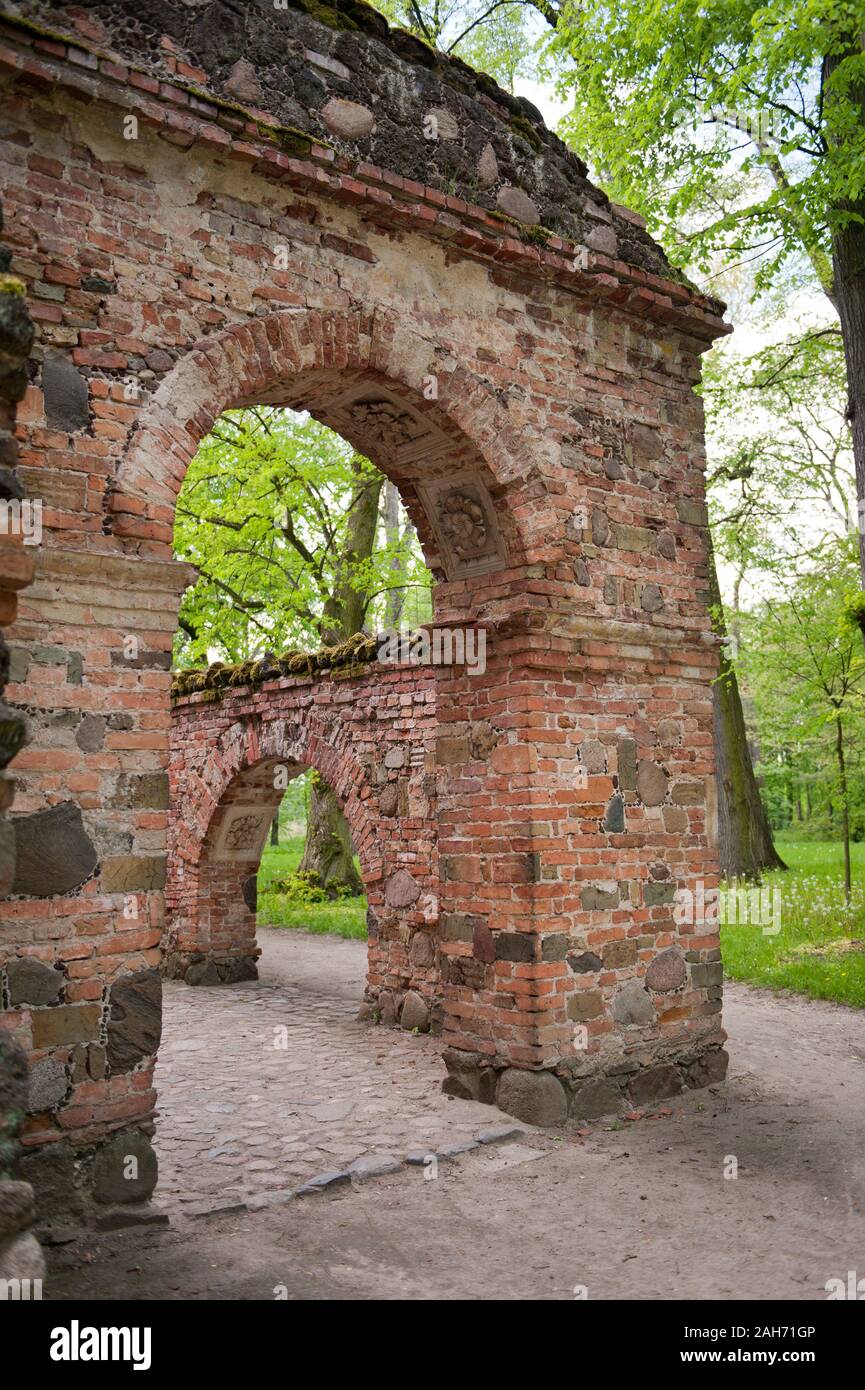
402	399
245	760
225	790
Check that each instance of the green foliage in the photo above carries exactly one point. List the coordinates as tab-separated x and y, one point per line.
732	125
781	479
819	949
804	670
498	37
854	610
343	916
300	887
263	514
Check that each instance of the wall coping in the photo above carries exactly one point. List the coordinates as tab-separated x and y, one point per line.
185	113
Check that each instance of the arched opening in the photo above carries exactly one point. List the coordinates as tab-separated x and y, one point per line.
228	783
239	744
300	543
289	894
469	519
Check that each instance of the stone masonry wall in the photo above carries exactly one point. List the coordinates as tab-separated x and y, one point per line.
336	75
531	395
21	1261
372	738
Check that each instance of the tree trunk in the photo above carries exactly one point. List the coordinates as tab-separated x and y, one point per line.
849	262
745	845
345	610
395	597
845	807
274	831
328	849
848	297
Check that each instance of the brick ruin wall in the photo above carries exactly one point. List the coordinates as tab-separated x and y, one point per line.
20	1255
526	382
371	737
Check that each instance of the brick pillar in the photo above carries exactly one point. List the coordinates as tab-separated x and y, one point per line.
20	1255
502	974
575	796
87	910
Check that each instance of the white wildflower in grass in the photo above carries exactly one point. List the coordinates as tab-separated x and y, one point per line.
820	947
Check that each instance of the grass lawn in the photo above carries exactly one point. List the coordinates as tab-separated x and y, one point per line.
812	952
346	917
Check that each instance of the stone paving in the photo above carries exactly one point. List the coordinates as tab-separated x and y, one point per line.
265	1087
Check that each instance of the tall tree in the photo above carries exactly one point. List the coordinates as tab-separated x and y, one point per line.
804	654
328	852
745	843
738	128
781	488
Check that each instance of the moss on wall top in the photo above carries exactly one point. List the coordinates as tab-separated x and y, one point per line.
352	656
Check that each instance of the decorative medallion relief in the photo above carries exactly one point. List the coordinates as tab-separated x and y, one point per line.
459	507
242	833
383	421
464	520
377	420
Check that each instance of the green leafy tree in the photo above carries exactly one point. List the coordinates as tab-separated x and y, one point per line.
806	660
781	481
738	129
781	488
282	520
498	37
278	515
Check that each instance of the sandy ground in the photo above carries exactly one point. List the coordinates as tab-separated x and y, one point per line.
639	1211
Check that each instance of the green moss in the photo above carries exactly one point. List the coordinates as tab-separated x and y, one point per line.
536	233
10	284
487	83
419	38
289	140
351	656
326	14
524	128
504	217
854	610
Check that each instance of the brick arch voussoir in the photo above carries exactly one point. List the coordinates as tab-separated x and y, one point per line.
245	361
320	743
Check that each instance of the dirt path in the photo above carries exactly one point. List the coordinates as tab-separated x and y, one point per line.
642	1211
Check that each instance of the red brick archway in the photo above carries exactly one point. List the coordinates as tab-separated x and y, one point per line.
521	360
333	364
372	738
